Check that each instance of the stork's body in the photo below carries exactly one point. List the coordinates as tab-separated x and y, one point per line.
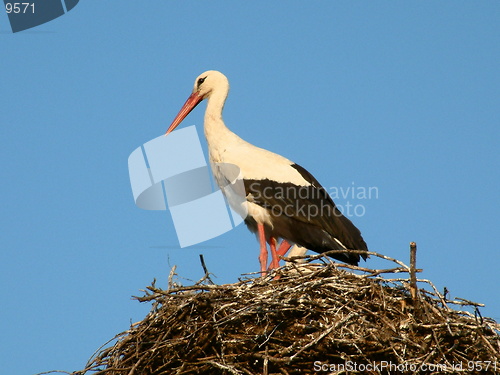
282	200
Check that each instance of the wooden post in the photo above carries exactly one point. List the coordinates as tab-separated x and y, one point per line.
413	267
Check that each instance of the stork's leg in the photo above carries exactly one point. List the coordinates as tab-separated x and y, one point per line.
275	263
263	249
282	250
284	247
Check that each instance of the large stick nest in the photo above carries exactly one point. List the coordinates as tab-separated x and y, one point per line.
315	317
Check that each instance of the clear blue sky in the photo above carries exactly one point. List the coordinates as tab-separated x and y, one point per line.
404	97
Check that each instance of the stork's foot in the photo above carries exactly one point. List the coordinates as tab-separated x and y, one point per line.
276	254
275	263
263	250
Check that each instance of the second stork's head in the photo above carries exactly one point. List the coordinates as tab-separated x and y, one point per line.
208	84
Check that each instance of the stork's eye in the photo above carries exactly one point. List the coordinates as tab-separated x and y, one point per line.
201	80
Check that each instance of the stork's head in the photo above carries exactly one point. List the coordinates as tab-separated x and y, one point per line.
209	81
204	86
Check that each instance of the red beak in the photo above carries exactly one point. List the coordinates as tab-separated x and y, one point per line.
193	100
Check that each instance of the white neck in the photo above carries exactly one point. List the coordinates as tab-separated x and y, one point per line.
216	132
215	106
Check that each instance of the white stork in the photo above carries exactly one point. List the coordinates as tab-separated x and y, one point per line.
283	200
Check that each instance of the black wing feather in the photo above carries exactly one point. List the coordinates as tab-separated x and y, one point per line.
306	215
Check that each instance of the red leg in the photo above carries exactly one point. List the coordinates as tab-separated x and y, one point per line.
284	247
263	249
276	261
